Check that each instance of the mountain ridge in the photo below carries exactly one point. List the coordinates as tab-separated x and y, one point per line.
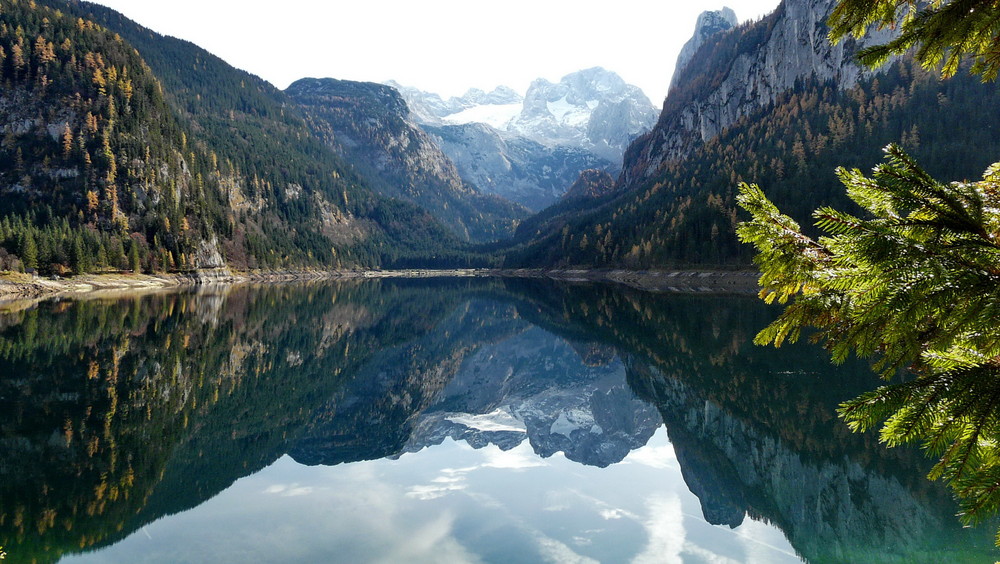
368	125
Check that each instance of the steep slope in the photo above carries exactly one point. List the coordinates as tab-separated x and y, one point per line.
771	103
737	73
93	161
591	185
259	188
368	125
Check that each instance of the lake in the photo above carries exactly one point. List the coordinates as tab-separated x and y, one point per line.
464	420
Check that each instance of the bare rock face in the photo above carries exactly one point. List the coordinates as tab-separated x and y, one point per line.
208	254
737	72
709	23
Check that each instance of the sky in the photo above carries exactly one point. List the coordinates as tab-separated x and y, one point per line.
442	46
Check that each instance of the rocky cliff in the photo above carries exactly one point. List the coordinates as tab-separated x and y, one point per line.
708	24
738	72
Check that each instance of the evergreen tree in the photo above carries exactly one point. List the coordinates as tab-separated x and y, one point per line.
915	285
914	281
28	250
134	264
940	30
78	258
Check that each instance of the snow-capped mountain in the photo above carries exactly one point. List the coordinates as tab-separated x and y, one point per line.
592	109
593	113
494	108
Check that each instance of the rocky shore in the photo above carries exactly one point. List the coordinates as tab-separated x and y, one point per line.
14	286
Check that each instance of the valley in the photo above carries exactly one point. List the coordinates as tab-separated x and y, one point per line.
436	317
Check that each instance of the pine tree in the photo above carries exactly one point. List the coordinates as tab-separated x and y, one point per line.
134	264
940	30
28	250
916	285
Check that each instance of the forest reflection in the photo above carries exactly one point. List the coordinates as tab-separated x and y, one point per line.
115	412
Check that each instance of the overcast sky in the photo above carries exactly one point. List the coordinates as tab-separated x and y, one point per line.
443	46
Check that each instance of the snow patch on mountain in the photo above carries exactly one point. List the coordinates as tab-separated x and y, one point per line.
592	109
497	421
497	116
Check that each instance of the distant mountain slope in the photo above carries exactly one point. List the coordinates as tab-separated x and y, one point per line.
531	149
367	124
263	191
513	167
772	103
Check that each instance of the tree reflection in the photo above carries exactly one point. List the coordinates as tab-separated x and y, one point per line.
116	412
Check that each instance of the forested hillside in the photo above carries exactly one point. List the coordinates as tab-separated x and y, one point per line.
126	150
93	166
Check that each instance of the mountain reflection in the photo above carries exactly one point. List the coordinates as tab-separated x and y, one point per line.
116	412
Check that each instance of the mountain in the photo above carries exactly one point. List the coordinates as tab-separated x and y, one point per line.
708	24
593	109
736	74
768	102
125	149
513	167
586	120
367	124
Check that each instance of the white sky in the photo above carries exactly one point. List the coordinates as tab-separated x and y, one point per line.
443	46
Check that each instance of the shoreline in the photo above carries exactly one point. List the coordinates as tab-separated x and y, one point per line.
16	286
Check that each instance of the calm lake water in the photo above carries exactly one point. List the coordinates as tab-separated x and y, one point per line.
444	421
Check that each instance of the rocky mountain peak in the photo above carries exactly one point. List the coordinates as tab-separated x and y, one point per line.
709	23
593	109
733	75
